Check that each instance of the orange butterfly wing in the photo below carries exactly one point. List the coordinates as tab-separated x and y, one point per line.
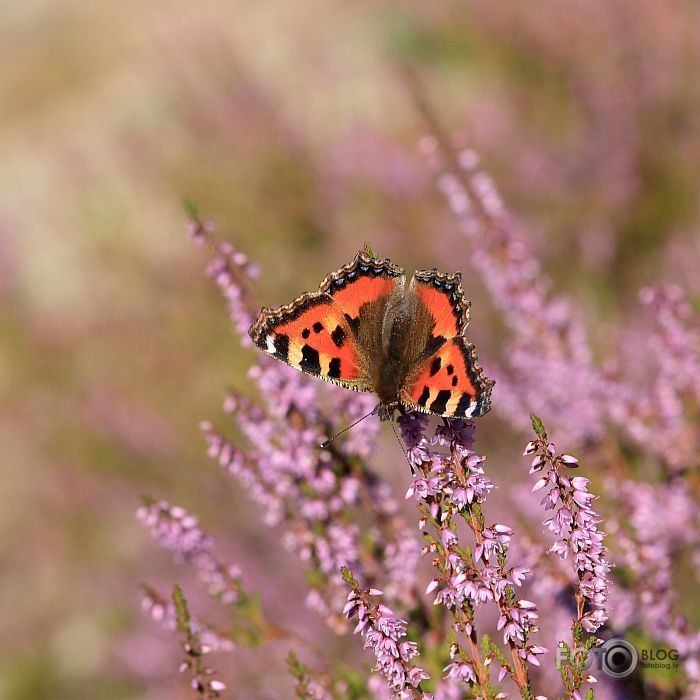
363	283
442	295
449	383
325	333
447	380
312	335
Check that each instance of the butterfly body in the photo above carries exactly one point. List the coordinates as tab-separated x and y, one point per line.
367	330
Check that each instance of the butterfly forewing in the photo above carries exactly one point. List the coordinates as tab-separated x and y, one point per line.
312	335
362	283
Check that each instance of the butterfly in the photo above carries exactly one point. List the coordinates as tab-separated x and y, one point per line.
366	330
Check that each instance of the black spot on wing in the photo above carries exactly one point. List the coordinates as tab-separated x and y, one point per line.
423	399
318	327
338	336
334	368
281	343
310	361
463	406
435	366
433	345
305	333
354	323
450	369
454	380
440	403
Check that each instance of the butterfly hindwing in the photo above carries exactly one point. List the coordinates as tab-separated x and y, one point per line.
312	335
442	295
449	383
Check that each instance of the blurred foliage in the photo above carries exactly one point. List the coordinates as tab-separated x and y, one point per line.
287	124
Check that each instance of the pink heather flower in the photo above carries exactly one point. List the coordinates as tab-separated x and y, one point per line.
178	531
574	525
162	611
384	633
448	489
460	671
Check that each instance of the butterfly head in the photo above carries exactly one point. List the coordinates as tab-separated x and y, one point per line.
385	410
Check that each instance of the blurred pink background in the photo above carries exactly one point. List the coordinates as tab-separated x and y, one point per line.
288	124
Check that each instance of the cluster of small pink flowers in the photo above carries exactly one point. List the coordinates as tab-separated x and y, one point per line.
550	369
655	523
660	416
230	269
384	634
448	487
575	527
162	611
179	532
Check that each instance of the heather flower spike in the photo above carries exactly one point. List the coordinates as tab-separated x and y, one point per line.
201	681
575	527
384	634
454	488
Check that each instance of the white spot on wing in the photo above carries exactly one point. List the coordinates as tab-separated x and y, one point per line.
271	344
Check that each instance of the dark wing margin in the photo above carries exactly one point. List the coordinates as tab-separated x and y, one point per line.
363	281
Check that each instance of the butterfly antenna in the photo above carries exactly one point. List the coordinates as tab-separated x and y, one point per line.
393	427
352	425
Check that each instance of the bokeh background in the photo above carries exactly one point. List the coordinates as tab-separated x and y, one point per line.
289	125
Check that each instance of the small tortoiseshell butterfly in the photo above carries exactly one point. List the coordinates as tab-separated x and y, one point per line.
366	331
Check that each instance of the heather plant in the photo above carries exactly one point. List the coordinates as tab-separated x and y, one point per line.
517	607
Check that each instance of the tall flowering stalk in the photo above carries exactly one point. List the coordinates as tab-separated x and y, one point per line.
179	532
447	489
202	683
574	525
384	634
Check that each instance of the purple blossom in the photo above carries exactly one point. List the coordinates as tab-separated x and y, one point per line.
179	532
384	633
162	611
574	525
452	488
